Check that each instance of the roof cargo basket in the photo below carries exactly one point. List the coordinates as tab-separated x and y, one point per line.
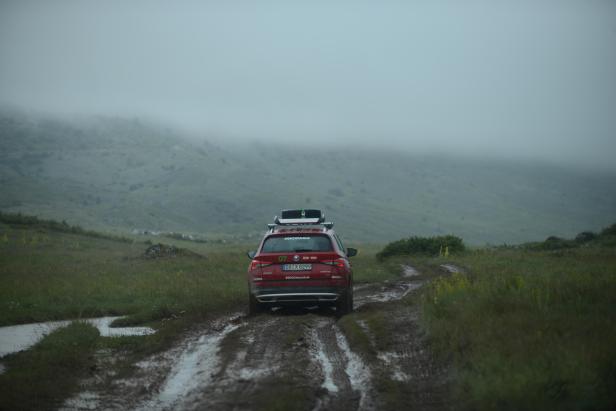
300	217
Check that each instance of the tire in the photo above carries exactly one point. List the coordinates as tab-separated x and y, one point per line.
254	307
351	300
344	305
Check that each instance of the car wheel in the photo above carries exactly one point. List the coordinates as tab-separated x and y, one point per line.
344	305
254	307
351	300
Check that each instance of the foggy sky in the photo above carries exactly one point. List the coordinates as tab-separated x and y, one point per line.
509	78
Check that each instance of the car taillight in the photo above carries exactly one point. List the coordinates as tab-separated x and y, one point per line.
339	262
254	264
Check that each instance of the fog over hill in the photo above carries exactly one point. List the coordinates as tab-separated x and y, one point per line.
124	174
489	119
522	79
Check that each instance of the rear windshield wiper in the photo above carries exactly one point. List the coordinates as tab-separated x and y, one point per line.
302	250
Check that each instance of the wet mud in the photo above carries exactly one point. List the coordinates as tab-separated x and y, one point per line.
297	359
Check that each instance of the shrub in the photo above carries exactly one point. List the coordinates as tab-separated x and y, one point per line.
557	243
585	237
422	245
606	238
609	231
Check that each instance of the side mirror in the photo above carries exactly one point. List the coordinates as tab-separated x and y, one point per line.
251	254
351	252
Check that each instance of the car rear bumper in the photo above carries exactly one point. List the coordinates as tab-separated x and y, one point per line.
290	295
297	298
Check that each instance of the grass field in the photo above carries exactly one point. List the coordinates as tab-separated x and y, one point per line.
529	330
525	329
49	275
46	274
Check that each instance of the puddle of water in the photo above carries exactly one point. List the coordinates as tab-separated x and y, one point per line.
396	293
236	371
106	331
409	271
361	286
254	373
16	338
83	401
400	376
392	360
249	339
451	268
366	329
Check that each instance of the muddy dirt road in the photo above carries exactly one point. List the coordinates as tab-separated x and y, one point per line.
305	359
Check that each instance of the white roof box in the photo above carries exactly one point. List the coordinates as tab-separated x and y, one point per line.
300	217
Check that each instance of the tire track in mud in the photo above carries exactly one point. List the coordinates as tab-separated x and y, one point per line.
226	368
266	352
357	371
338	369
346	377
193	371
244	363
406	361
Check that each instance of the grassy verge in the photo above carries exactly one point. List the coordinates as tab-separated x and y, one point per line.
42	377
47	275
367	269
529	330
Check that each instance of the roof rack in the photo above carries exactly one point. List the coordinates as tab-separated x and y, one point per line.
300	217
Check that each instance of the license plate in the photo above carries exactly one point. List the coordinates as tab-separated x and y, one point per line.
297	267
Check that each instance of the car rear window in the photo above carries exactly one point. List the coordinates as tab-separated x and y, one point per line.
296	244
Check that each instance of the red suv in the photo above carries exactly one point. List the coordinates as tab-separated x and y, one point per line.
301	261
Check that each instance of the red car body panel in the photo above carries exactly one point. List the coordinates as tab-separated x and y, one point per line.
330	275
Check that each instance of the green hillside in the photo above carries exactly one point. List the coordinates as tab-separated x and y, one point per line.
118	175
